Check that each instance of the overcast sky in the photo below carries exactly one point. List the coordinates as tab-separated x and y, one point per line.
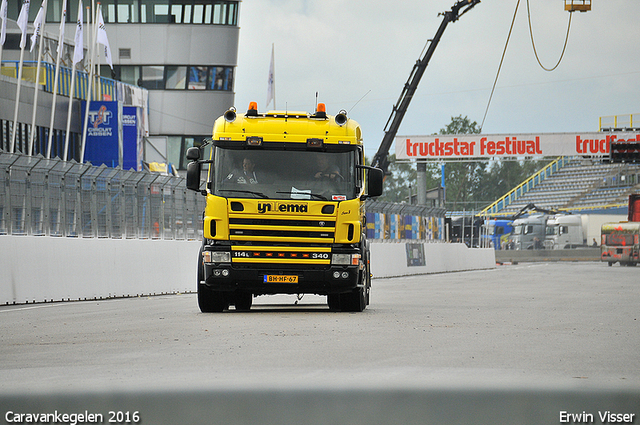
345	50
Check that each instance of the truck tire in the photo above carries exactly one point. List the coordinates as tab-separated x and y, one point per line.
209	301
243	300
333	300
354	301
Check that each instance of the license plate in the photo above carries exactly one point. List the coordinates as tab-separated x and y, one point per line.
277	278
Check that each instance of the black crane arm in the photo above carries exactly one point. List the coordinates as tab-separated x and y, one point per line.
380	160
532	207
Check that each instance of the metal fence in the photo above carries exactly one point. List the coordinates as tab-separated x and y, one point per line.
50	197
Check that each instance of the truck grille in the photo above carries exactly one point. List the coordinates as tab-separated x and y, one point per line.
286	230
284	242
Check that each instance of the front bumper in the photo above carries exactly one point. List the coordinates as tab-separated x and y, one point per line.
321	281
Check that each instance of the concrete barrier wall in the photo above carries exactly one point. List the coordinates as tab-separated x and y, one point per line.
391	259
41	269
530	255
37	269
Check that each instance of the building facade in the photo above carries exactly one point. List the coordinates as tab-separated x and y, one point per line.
184	52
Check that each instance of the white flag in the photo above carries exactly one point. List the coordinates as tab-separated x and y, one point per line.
37	23
23	19
3	16
102	38
271	95
62	19
78	50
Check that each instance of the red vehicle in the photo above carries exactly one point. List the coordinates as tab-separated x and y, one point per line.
621	241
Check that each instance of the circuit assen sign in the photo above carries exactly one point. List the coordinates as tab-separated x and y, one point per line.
460	146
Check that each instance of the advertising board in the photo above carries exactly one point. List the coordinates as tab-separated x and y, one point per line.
468	146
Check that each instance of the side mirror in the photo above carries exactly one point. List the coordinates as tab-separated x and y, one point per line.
375	178
193	154
193	173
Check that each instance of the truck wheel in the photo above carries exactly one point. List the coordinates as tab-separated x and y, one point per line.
211	301
353	301
333	300
243	300
610	264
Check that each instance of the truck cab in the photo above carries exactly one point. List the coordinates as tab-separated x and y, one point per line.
564	232
284	211
528	232
496	232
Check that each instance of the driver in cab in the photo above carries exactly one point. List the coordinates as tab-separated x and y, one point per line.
326	170
246	175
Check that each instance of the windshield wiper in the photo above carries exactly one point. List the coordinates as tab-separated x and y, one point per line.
315	195
262	195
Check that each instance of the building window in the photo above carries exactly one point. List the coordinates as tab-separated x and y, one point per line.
165	11
176	77
177	147
128	74
152	77
174	150
128	11
221	78
198	76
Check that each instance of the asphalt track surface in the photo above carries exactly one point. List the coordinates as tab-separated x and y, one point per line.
541	323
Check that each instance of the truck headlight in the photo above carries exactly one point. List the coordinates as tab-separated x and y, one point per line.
345	259
216	256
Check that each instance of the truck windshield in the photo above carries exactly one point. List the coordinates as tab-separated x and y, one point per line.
280	174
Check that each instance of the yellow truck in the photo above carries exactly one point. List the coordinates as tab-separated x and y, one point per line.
285	194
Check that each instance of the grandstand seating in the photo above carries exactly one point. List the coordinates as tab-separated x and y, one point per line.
582	184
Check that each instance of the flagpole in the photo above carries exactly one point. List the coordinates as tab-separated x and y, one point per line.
86	113
76	59
22	22
15	114
3	16
97	58
271	81
37	89
71	93
56	75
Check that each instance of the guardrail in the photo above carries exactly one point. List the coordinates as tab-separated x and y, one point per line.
51	197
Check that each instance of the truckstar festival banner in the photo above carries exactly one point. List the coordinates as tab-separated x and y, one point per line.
462	146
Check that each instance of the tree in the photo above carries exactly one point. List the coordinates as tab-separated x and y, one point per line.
462	178
399	182
473	185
